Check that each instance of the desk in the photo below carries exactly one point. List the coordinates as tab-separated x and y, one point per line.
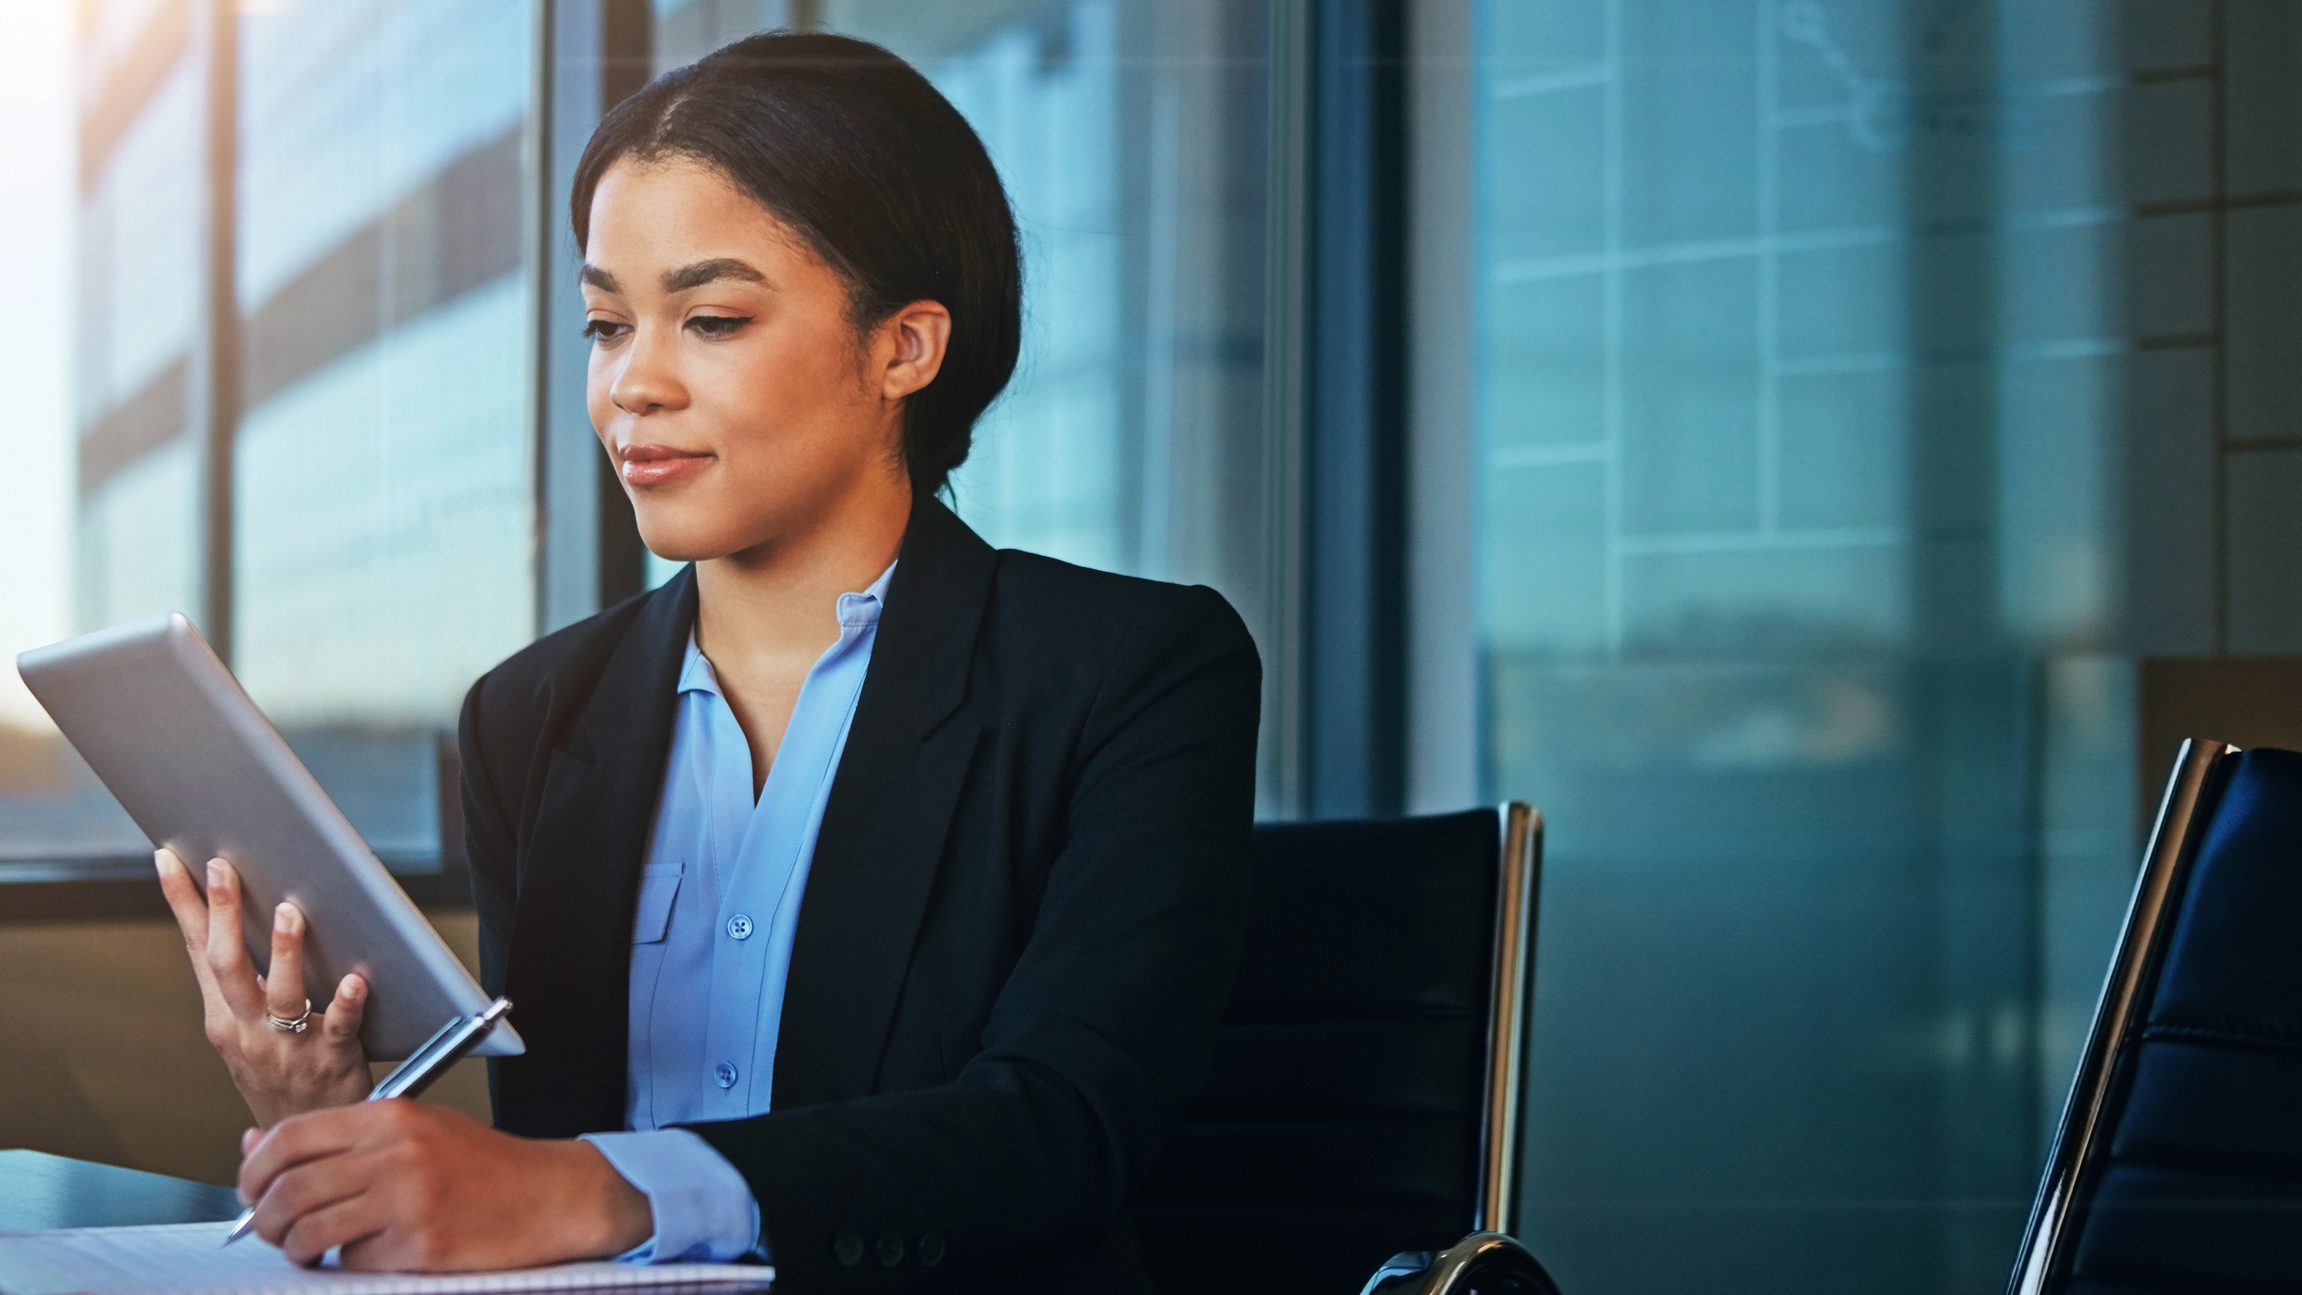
38	1190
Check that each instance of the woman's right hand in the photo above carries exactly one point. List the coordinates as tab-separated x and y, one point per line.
278	1073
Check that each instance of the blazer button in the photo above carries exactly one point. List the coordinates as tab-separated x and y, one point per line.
931	1249
847	1248
890	1249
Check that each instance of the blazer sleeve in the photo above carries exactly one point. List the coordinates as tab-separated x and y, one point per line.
1107	1021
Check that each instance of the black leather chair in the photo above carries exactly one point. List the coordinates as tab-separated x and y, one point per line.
2178	1166
1364	1097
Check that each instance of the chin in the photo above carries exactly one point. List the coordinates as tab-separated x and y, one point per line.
668	539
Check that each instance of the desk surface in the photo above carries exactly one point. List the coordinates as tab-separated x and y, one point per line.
38	1190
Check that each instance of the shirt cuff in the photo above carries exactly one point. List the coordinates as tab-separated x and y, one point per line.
704	1211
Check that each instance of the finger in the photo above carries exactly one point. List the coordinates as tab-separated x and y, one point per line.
191	912
299	1192
343	1223
283	983
341	1022
227	955
184	901
301	1138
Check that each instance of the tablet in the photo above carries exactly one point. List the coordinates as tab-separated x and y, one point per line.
171	733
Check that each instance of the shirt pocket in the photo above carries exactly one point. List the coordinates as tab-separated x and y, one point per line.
658	887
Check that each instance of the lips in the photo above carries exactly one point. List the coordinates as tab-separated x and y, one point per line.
650	465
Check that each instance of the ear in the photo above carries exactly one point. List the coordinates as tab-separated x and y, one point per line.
910	346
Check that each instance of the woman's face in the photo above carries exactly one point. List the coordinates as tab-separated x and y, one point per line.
733	396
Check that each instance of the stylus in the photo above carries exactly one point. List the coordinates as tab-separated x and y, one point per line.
411	1077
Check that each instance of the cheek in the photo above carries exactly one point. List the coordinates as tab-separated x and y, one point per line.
595	395
782	386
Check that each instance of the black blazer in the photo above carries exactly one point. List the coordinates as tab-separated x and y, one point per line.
1020	927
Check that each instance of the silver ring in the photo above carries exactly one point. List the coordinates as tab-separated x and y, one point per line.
302	1022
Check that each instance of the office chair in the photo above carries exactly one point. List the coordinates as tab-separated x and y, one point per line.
2178	1165
1364	1097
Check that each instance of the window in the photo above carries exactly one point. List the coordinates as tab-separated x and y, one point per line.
1863	398
300	389
383	489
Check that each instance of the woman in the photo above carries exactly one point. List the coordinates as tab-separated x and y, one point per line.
868	896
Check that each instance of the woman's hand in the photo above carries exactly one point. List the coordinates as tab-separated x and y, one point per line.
278	1074
426	1188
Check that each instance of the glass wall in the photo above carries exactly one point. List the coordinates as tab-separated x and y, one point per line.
105	478
63	224
140	226
1870	401
383	521
363	164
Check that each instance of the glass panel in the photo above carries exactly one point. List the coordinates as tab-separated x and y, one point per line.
383	528
1132	136
100	498
1847	420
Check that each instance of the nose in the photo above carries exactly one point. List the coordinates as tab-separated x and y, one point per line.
647	379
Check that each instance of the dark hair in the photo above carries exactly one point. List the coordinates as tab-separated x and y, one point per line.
869	164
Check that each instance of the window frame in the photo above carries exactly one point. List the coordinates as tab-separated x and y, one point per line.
1356	730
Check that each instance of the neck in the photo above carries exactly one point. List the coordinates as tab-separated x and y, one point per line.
776	603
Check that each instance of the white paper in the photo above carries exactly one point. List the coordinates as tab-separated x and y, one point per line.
191	1259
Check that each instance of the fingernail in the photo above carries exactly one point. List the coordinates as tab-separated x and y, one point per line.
215	872
160	861
247	1139
284	919
350	989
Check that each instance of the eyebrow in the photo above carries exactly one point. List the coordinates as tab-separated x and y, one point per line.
686	276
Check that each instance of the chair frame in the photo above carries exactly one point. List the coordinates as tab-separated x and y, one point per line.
1517	897
1488	1251
2165	868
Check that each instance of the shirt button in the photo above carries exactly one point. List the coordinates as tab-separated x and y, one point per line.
931	1249
724	1072
847	1248
890	1250
739	926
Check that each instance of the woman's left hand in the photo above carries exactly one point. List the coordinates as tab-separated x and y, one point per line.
426	1188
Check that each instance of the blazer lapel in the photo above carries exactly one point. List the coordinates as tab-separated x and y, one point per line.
891	803
579	872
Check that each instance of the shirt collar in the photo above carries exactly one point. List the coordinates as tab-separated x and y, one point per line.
856	611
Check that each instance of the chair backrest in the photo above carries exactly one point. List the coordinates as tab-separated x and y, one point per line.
1363	1099
2178	1166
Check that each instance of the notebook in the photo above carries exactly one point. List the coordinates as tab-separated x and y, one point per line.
192	1259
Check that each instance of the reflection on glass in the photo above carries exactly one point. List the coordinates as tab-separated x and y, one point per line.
102	446
381	529
382	550
1844	419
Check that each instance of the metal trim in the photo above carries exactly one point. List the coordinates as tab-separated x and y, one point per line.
1472	1263
1355	402
590	55
1518	887
1282	767
2165	868
216	354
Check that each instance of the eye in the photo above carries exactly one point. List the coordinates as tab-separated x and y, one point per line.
596	330
719	325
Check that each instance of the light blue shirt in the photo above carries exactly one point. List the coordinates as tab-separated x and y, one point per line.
711	937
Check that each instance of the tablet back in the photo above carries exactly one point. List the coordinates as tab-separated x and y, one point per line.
174	737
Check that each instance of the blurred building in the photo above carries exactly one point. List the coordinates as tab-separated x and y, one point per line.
306	337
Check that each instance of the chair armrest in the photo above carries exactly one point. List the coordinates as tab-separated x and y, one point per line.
1489	1263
